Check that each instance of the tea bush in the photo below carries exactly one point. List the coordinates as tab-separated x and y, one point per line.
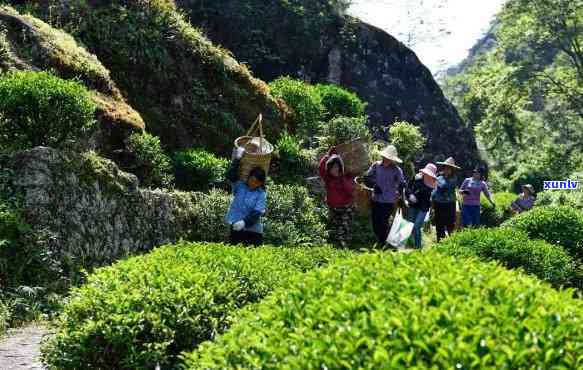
513	249
404	311
557	225
305	102
339	102
572	199
292	217
343	129
150	163
37	108
199	170
292	162
209	214
494	216
148	309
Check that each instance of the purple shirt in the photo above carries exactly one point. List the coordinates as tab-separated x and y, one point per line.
388	179
475	188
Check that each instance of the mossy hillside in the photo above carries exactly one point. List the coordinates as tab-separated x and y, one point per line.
27	43
189	91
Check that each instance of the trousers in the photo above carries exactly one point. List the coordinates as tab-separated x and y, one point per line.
381	212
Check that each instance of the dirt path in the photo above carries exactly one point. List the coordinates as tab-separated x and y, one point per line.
20	349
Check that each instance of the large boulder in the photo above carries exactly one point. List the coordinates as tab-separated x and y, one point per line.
315	41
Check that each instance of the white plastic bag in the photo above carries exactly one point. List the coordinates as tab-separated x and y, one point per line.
400	231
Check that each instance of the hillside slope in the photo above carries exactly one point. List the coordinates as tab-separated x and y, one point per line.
27	43
189	91
315	41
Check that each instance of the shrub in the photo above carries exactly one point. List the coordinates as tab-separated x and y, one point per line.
339	102
37	108
305	102
513	249
401	311
572	199
150	163
556	225
343	129
148	309
293	162
408	140
197	169
292	217
209	214
491	216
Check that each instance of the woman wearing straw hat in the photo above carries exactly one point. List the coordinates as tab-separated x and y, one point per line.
419	197
388	182
248	204
444	198
525	200
471	190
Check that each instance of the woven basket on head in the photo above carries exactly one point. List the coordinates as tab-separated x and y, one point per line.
258	150
362	197
355	156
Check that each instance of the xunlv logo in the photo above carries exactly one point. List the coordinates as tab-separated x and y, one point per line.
561	185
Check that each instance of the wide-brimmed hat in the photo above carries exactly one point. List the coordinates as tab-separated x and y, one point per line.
450	162
529	187
390	153
430	170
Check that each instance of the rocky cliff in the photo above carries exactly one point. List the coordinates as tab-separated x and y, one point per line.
320	44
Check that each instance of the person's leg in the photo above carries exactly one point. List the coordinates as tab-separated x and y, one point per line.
467	216
477	216
418	228
236	237
346	225
377	221
333	225
439	221
386	211
253	239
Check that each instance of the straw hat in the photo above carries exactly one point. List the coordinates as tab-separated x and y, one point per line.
529	187
430	170
450	162
390	153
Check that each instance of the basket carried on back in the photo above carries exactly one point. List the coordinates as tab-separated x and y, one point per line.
258	150
362	197
355	156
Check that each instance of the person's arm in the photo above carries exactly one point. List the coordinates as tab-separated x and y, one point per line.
323	161
487	193
233	170
464	187
370	179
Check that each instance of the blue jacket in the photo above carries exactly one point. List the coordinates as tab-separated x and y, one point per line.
247	205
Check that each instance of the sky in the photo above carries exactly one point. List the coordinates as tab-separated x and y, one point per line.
441	32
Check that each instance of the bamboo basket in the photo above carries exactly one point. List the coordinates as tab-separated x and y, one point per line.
251	158
362	197
355	156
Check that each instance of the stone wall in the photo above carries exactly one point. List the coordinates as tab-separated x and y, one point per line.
92	211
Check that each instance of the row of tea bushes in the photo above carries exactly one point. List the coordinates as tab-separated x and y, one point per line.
557	225
148	309
513	249
418	310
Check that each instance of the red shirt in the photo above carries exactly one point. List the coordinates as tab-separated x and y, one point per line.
339	190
